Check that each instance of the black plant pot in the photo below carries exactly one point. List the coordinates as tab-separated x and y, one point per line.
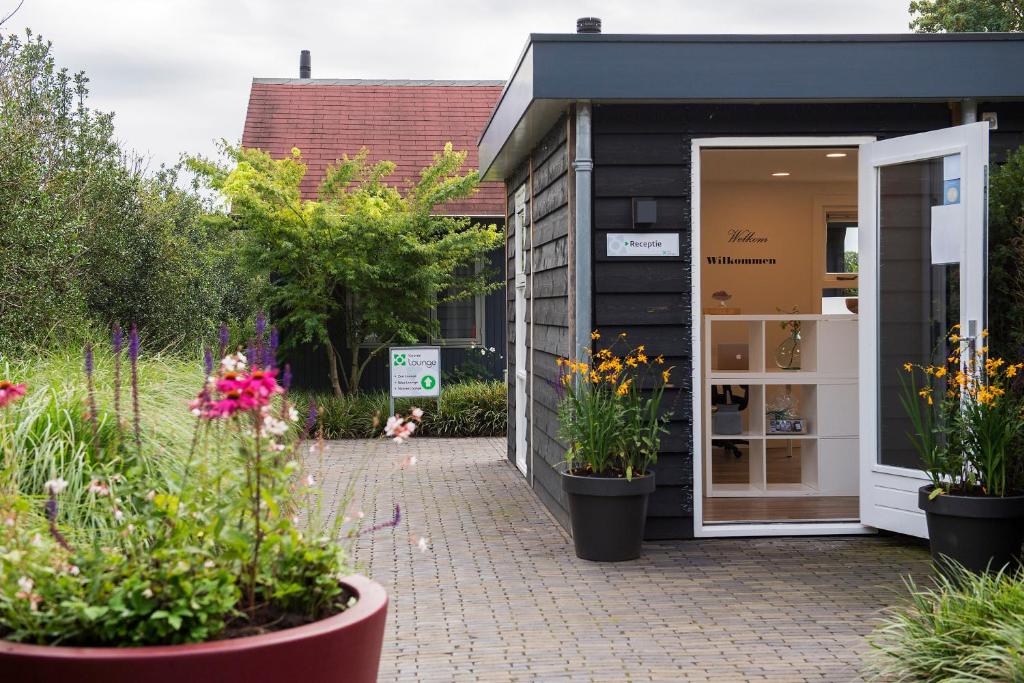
980	532
608	515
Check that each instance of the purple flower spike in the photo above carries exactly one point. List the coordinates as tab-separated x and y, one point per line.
50	508
275	342
286	378
261	325
250	355
117	339
88	360
225	338
311	418
207	361
393	522
133	344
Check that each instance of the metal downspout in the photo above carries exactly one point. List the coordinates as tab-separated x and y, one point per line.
584	168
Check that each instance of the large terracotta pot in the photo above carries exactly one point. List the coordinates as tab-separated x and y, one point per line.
345	647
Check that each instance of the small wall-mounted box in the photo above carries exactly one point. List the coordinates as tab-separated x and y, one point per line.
645	211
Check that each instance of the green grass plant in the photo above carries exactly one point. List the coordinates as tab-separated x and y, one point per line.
49	433
969	627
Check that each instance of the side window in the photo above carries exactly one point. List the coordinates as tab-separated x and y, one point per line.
459	321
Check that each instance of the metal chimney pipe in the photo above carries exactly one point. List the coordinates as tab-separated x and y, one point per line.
588	25
305	65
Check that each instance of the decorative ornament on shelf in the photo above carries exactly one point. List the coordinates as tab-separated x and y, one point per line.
721	296
787	353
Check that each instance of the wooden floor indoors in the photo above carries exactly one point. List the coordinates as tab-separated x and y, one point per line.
783	466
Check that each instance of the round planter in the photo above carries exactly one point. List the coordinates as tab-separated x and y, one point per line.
607	515
345	647
980	532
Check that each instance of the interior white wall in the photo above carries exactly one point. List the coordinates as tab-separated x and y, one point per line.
789	215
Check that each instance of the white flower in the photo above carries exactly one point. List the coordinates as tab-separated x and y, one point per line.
293	414
147	593
234	362
37	540
423	544
271	425
308	480
483	352
394	422
209	564
26	584
55	486
151	495
412	459
417	413
73	570
492	349
118	515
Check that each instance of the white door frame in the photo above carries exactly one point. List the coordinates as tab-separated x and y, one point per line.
888	496
520	229
697	353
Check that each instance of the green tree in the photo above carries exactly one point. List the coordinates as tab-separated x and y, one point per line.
958	16
87	238
1006	257
362	266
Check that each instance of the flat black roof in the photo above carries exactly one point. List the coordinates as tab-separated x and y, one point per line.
556	69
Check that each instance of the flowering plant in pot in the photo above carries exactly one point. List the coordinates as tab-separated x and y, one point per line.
968	424
610	417
205	572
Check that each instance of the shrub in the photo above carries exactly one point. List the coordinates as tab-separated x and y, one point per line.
464	410
966	628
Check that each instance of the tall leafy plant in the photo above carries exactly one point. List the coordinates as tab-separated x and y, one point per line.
610	414
965	420
360	267
955	16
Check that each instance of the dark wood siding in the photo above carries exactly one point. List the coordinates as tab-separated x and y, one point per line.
546	174
644	151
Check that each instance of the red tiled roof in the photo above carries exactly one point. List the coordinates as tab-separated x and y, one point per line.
406	122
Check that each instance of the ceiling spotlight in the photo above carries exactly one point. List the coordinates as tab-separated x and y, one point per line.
836	155
781	174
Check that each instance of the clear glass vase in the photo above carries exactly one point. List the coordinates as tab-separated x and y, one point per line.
787	353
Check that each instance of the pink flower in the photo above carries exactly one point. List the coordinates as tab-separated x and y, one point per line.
10	392
417	413
98	487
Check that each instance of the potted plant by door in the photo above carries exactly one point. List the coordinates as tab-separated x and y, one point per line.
199	570
610	418
969	425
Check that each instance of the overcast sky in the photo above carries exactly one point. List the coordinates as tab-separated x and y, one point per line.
177	72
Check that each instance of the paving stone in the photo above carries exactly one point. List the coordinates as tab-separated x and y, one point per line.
500	596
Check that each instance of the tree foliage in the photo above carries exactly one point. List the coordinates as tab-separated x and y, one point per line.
958	16
362	266
87	237
1006	257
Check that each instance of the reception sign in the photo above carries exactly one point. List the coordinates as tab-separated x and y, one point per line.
643	244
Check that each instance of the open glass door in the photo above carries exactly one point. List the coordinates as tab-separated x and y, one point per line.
923	209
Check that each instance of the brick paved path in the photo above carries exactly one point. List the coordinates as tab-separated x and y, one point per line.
499	594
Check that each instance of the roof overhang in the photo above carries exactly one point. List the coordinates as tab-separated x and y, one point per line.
555	70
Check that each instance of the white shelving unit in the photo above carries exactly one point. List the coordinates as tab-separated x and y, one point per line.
825	389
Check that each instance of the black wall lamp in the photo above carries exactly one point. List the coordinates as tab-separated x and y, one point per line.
645	211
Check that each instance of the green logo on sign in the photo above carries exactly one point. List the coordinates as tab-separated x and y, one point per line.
428	382
399	359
